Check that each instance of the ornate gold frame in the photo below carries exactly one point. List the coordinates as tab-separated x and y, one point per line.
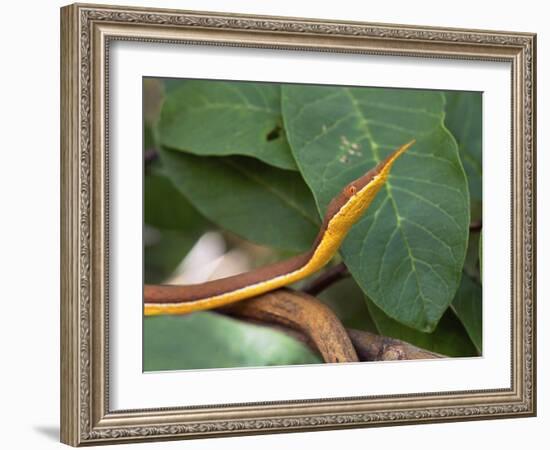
86	31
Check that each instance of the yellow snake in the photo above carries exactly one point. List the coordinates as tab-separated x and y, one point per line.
342	213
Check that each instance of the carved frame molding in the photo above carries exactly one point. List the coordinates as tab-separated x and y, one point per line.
86	32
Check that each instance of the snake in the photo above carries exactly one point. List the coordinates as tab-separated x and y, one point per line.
343	211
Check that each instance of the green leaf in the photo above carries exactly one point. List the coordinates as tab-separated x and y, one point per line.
207	340
463	118
226	118
258	202
165	253
407	251
449	337
165	207
468	307
347	301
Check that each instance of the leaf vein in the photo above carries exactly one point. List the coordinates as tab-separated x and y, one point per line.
430	233
429	202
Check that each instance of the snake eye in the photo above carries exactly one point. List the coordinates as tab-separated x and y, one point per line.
351	190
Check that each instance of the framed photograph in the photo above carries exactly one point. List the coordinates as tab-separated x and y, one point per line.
276	224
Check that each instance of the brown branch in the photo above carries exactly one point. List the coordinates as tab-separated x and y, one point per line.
475	226
327	278
312	322
372	347
304	314
309	320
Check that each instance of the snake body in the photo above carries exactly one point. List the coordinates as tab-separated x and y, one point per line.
342	213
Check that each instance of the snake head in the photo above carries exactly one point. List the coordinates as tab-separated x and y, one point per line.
355	197
382	169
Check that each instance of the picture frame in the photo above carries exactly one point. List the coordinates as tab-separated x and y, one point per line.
87	33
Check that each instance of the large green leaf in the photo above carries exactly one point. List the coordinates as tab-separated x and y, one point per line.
468	307
165	207
463	118
208	340
258	202
226	118
449	337
407	251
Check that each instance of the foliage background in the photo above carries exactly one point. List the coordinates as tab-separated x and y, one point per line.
257	163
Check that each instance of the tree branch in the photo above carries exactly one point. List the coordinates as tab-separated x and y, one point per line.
475	226
327	278
312	322
372	347
304	314
309	320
